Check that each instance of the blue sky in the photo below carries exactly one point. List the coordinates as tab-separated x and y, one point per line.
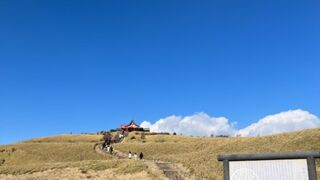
84	66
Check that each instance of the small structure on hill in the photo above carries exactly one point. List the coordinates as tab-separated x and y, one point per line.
132	126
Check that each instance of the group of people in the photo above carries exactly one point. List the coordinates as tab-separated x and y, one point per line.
107	147
135	155
108	140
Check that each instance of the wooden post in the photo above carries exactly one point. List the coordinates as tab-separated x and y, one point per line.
226	175
312	172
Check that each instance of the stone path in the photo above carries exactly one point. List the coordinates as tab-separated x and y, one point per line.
167	169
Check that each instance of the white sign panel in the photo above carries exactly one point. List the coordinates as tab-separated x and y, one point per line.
293	169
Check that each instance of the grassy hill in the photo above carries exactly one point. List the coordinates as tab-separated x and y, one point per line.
200	154
70	155
74	154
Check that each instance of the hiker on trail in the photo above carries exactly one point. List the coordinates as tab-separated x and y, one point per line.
141	156
107	138
103	145
135	156
111	149
130	155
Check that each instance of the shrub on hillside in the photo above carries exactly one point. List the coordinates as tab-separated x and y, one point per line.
143	136
2	161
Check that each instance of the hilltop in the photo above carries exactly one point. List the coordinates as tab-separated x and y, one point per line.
74	155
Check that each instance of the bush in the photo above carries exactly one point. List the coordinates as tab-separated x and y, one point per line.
83	171
133	137
2	161
143	136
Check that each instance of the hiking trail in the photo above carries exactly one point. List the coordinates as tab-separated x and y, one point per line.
164	170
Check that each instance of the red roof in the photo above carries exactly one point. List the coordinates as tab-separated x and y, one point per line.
131	124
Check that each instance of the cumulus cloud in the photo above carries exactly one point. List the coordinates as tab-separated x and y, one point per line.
292	120
201	124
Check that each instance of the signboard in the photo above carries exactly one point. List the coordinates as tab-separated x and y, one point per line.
270	166
295	169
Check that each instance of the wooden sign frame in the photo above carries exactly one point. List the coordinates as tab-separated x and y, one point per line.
310	156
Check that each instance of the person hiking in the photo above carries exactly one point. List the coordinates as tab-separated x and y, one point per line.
103	145
111	149
135	156
107	137
120	136
130	155
141	156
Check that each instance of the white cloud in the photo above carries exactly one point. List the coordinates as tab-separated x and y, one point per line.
201	124
292	120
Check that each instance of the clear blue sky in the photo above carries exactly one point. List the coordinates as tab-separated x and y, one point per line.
84	66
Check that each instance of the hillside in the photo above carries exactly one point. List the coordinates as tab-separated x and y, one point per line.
200	154
73	156
65	157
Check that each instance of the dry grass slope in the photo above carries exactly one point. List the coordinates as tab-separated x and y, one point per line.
48	156
53	155
68	138
199	154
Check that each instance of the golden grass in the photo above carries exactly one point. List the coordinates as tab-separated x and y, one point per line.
28	153
200	154
119	166
61	152
68	138
76	174
197	154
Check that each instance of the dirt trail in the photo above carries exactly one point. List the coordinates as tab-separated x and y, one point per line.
164	170
170	171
